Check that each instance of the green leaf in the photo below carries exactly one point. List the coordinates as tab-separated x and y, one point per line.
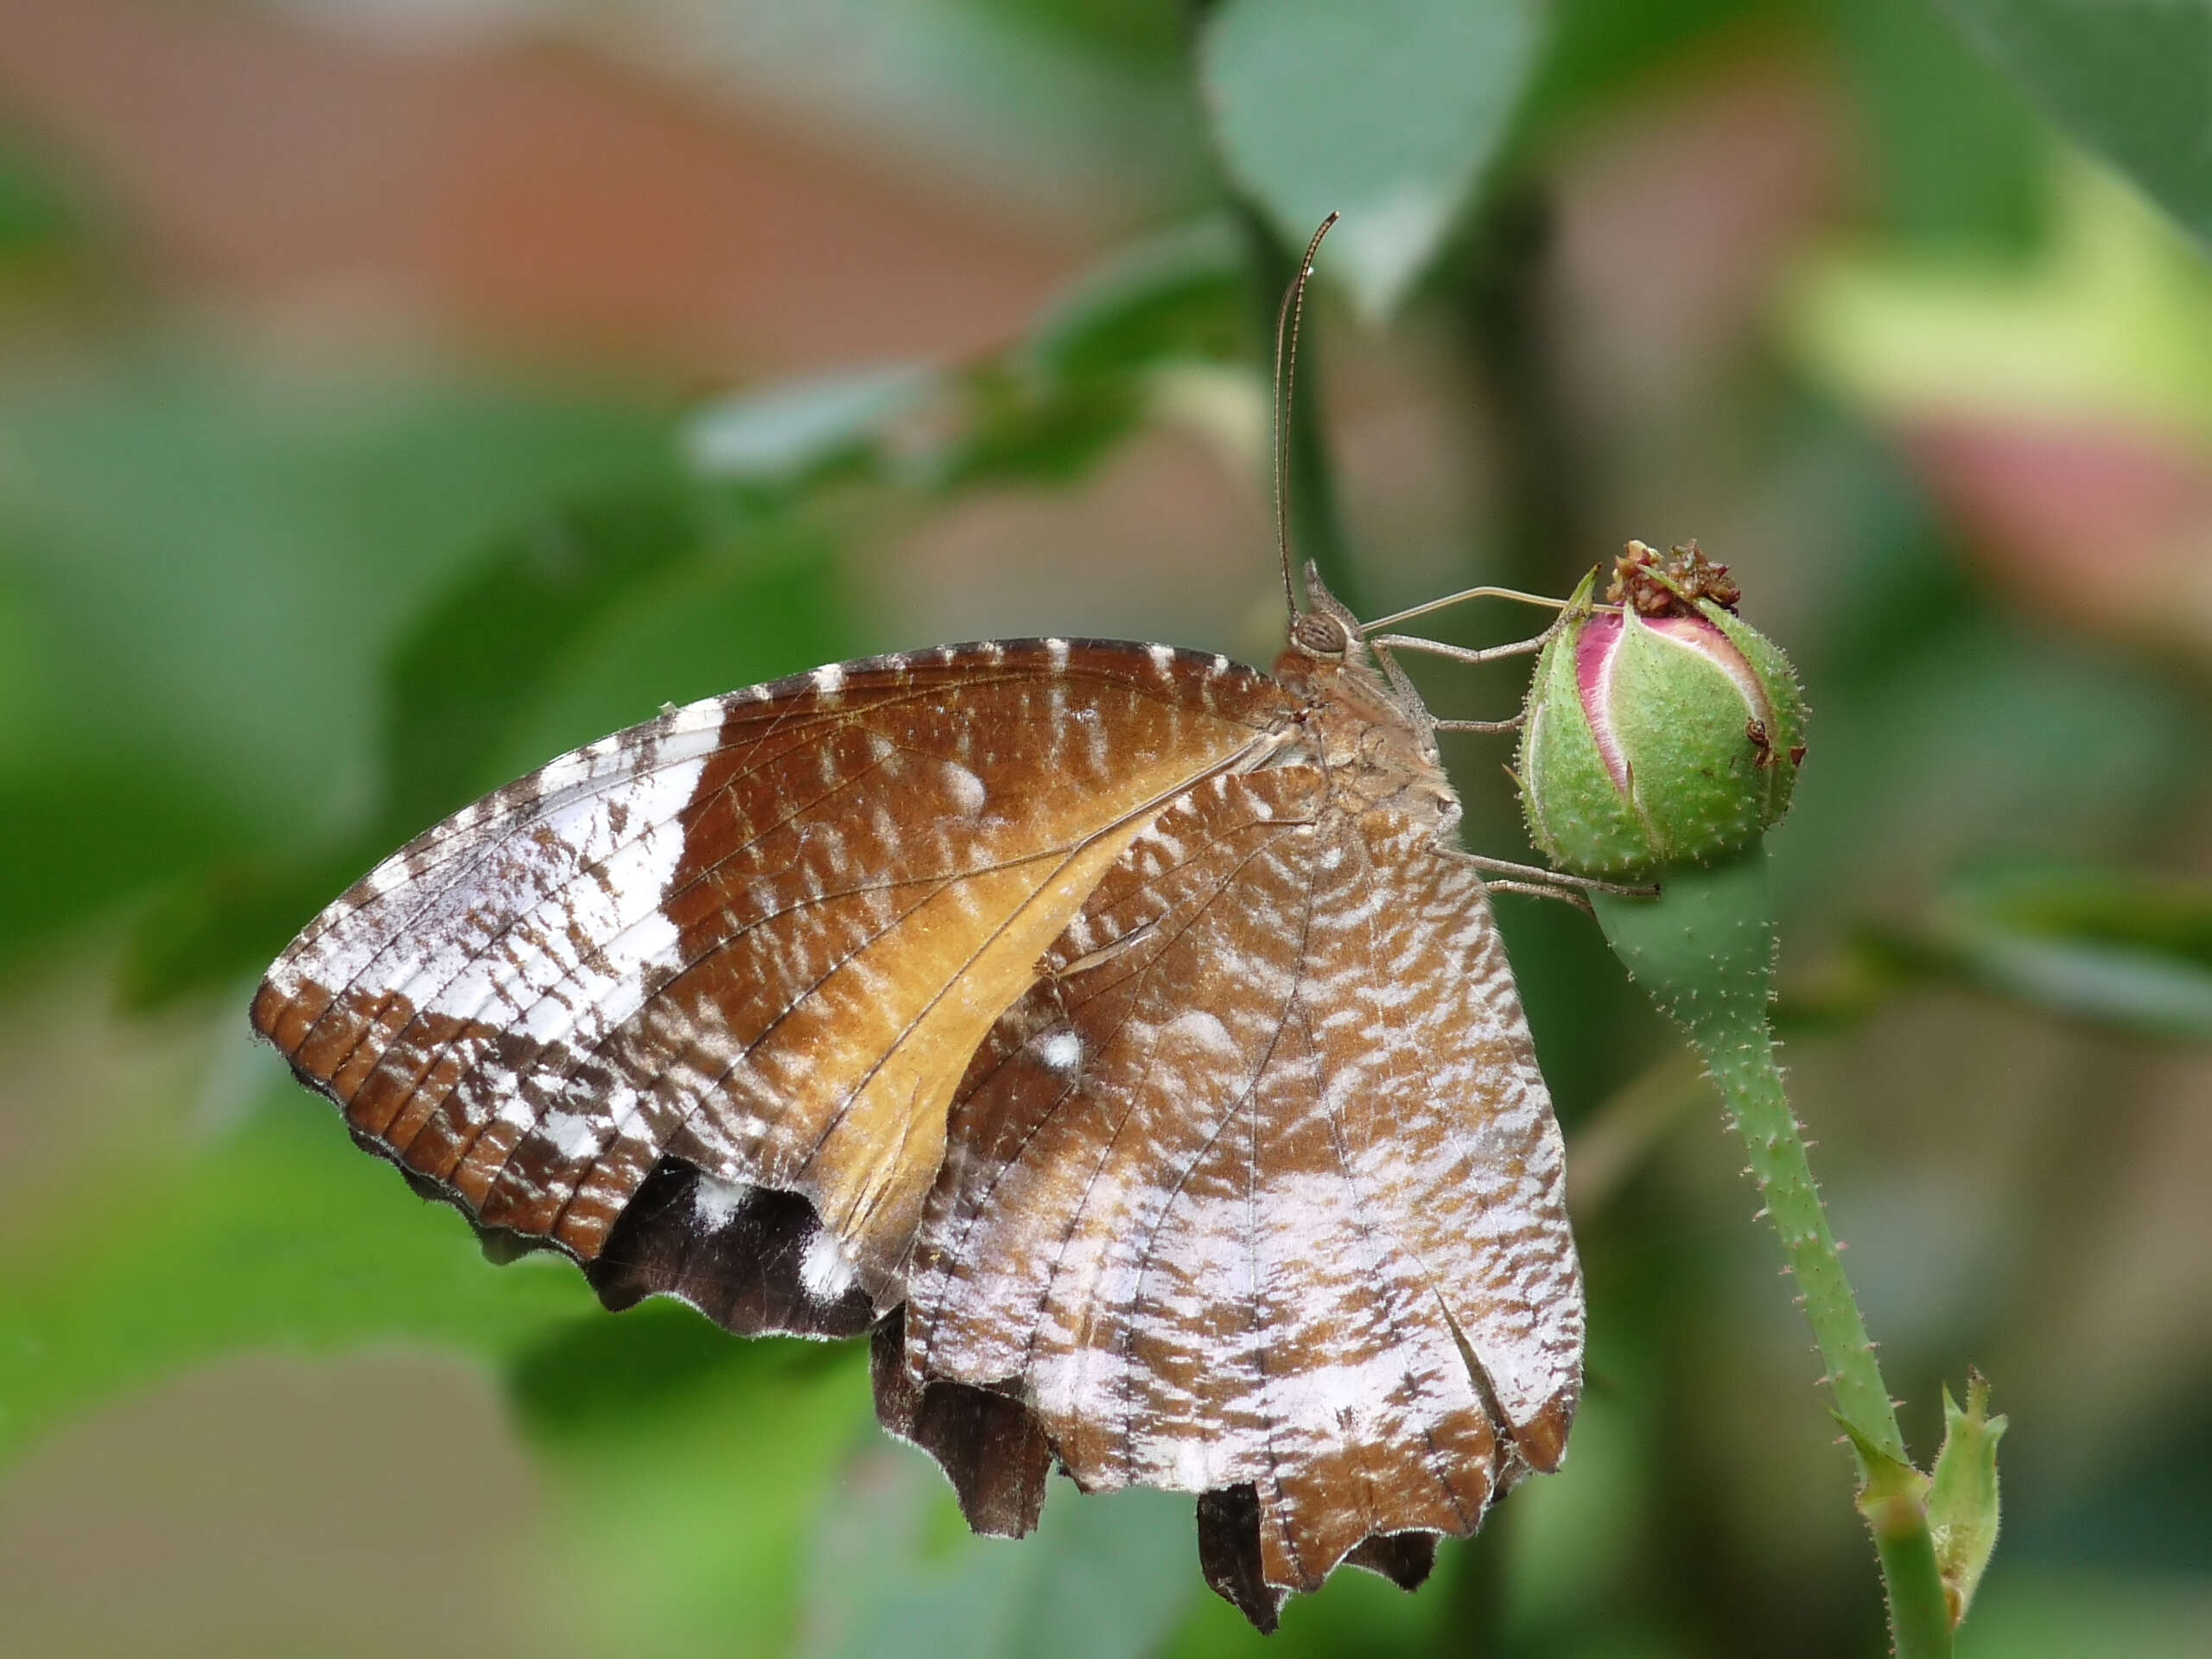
2131	78
221	561
1600	50
760	602
2109	325
2127	948
1046	411
1386	112
1962	1509
482	657
1105	1576
786	437
279	1235
1183	294
693	1463
39	215
1957	153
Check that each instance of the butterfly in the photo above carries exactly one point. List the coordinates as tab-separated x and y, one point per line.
1116	1034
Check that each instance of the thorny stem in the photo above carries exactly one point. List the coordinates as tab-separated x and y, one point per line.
1704	950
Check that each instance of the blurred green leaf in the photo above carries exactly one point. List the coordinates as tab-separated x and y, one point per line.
761	603
1105	1576
2132	78
1386	111
1957	153
2110	324
2068	752
1043	411
1022	427
38	213
1139	32
694	1464
2040	1612
83	832
228	918
785	437
277	1236
1598	50
1183	294
223	561
482	657
1053	101
2123	948
2170	916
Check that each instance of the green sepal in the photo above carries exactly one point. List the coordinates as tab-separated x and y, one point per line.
1577	818
1786	735
1694	776
1963	1510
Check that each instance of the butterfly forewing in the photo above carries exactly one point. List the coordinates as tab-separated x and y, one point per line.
755	941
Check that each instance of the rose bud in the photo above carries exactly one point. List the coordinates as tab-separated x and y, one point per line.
1662	731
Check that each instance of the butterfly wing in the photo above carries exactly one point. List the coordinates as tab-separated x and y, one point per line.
690	1003
1259	1196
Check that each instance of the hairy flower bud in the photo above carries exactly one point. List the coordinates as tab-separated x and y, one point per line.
1662	731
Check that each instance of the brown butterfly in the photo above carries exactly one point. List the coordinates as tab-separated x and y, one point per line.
1114	1031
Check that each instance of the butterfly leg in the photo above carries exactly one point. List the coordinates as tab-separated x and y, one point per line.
1543	601
1523	878
1539	890
1386	642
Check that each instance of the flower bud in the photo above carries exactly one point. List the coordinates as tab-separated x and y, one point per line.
1662	731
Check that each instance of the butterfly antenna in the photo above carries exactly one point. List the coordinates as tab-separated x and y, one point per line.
1287	319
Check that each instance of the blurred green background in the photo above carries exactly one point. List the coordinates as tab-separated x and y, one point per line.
396	392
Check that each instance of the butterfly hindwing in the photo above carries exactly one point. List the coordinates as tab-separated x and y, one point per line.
689	1003
1260	1197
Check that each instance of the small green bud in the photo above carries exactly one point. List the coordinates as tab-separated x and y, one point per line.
1962	1498
1661	731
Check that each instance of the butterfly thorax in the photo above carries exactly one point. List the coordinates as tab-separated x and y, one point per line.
1374	741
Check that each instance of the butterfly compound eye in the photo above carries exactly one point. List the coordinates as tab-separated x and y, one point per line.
1319	634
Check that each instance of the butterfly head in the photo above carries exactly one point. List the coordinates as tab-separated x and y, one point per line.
1375	736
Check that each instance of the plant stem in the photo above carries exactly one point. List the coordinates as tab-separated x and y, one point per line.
1704	952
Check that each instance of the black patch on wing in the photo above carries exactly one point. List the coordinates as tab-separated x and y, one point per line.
1228	1554
1404	1558
989	1445
742	1271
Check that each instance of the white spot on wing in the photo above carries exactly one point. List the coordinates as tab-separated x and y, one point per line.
1062	1051
1163	656
828	680
573	1135
715	1202
966	789
823	1272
